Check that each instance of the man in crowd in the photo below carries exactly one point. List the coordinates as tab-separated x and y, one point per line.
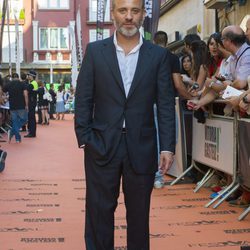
161	39
25	81
188	39
120	80
234	40
18	99
33	87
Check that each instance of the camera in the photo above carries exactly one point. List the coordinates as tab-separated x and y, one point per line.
195	86
220	78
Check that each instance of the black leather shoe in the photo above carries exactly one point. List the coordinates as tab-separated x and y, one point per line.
29	136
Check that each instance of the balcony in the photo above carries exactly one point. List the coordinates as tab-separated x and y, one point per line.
215	4
48	56
166	5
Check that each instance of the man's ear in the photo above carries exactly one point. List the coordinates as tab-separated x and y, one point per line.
112	15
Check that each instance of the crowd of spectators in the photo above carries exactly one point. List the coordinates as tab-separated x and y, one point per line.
22	99
208	70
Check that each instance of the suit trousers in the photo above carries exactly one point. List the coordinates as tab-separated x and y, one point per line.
102	192
32	120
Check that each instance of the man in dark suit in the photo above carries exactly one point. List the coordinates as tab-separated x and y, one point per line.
33	87
120	80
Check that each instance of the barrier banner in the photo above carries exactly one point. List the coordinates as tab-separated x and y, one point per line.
152	18
101	7
244	152
213	143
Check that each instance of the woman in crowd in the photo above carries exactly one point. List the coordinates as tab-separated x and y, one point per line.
52	103
214	54
199	70
43	103
215	85
60	102
199	74
186	69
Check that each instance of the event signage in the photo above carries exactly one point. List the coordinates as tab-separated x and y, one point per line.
101	7
152	18
213	143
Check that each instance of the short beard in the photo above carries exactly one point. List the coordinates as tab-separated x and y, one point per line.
128	33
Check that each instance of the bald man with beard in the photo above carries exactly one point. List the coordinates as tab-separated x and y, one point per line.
234	40
120	80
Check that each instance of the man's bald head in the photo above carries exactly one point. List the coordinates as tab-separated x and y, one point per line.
235	34
114	1
233	29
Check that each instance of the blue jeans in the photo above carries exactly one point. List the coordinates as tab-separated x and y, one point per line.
19	118
159	175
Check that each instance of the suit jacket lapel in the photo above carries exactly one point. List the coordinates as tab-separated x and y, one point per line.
143	64
111	59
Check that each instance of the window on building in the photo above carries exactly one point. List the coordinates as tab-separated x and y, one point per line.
11	47
93	11
53	4
15	7
44	39
54	38
92	34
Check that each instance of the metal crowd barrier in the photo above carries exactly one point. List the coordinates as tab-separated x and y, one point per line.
244	157
230	166
215	144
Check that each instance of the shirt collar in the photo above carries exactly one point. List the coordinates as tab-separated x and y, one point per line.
134	50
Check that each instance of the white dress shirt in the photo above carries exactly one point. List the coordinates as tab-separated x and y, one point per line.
127	63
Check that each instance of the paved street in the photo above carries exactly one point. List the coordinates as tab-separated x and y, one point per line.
42	203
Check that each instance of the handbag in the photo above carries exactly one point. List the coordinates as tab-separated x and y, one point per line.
47	95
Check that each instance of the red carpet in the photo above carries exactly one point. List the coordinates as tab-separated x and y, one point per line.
42	203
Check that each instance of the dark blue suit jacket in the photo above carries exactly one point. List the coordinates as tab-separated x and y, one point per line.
101	105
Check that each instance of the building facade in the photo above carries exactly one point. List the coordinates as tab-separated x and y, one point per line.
45	35
181	17
230	12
